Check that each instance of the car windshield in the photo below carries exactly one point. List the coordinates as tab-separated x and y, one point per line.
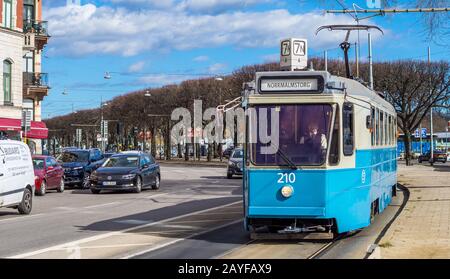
74	156
38	164
238	154
303	134
122	162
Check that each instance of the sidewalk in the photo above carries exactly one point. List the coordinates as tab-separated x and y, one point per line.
422	230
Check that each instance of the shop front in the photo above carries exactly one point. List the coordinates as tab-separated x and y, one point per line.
11	129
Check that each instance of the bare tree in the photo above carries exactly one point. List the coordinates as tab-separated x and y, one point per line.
413	87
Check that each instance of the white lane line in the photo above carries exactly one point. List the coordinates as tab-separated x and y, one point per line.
105	235
102	205
180	239
22	217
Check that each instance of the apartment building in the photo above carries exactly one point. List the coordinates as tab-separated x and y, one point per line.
23	35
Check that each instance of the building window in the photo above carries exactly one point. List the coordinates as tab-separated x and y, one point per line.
7	70
7	12
347	124
28	62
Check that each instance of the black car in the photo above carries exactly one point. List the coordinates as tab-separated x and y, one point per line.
227	152
438	156
78	165
235	163
127	171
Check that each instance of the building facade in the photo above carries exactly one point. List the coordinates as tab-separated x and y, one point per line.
23	36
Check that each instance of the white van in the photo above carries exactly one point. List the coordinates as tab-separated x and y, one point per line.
16	176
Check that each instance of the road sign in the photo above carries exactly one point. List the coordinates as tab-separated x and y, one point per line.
78	135
104	128
424	132
416	133
26	120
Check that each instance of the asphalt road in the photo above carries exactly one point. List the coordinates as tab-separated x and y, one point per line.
75	215
197	213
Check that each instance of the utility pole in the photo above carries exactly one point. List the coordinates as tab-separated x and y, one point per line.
431	116
357	59
370	62
326	60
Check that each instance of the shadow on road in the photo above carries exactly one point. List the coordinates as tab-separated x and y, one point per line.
130	221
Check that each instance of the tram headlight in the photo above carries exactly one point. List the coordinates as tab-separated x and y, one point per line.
287	191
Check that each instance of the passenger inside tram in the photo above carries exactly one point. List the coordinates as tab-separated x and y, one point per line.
315	143
303	135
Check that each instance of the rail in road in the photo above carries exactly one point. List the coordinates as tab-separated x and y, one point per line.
198	214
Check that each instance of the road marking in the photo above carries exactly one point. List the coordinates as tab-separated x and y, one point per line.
102	205
180	239
22	217
105	235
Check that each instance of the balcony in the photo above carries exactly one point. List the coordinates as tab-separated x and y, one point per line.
35	85
40	31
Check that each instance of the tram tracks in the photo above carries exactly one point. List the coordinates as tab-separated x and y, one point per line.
275	249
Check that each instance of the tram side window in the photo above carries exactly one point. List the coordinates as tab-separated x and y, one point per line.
390	130
333	157
377	125
381	128
347	129
386	129
372	119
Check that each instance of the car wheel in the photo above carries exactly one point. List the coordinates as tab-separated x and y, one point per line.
229	175
60	188
27	202
138	185
42	189
95	191
86	181
157	183
420	161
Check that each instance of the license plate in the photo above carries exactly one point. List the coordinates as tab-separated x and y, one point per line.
109	183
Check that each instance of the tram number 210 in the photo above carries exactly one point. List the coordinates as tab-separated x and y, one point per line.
286	177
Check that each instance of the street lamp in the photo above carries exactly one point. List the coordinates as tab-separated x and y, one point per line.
147	95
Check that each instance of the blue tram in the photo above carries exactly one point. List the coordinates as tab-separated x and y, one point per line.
320	153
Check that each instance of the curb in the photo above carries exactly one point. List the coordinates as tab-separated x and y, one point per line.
374	251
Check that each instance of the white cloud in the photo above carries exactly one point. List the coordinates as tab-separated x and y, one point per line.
217	68
87	29
201	58
136	67
162	79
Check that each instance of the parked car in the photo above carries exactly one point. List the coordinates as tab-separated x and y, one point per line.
227	152
78	165
235	163
16	176
49	175
133	171
438	156
108	154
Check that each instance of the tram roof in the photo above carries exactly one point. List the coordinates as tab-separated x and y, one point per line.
331	85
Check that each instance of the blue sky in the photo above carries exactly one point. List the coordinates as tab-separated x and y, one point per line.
149	43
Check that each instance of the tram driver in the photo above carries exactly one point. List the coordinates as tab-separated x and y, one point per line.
316	143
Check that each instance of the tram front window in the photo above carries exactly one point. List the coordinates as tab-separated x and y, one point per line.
303	134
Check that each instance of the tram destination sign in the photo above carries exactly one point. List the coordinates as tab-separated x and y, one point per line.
290	84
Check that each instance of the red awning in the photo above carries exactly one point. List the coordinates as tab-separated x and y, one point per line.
8	124
38	129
